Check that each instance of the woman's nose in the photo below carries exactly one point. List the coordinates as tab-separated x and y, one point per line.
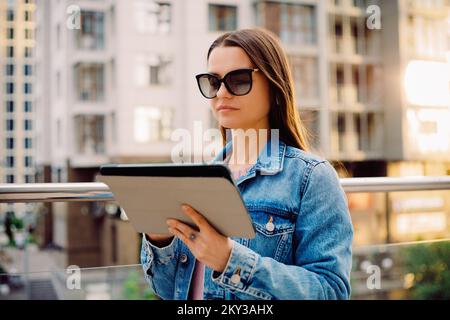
223	92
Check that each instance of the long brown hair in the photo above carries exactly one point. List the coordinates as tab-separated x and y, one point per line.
265	51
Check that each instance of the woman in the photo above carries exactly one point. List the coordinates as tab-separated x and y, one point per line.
302	249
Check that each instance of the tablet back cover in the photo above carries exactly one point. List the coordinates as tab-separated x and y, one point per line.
149	201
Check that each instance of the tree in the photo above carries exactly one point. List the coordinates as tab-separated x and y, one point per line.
429	264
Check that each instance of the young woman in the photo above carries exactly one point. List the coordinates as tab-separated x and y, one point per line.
302	249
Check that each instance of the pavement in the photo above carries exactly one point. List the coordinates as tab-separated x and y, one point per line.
29	273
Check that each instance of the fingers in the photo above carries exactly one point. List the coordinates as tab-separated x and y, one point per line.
180	235
198	219
180	226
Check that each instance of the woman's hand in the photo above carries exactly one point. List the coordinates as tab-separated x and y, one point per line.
207	245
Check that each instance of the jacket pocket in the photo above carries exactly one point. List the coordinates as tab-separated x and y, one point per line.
274	231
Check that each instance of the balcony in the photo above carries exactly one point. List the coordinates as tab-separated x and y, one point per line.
388	269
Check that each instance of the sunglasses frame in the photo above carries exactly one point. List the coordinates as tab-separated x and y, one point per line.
224	81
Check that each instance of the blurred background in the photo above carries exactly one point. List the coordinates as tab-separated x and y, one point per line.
83	83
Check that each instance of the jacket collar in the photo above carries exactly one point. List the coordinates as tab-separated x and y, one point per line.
269	161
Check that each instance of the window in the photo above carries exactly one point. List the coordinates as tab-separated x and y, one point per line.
10	162
27	123
10	33
10	15
293	23
9	106
90	134
91	35
152	124
28	143
153	17
305	73
340	82
154	74
9	88
10	143
27	69
9	69
222	17
153	70
28	34
355	90
27	88
341	130
89	82
27	106
10	52
28	16
9	125
28	178
28	52
338	34
28	161
59	175
360	4
357	131
9	178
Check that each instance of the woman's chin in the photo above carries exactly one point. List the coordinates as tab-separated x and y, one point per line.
230	124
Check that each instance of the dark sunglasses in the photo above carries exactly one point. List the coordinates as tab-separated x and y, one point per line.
238	82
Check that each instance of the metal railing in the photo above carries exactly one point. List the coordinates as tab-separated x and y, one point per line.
97	191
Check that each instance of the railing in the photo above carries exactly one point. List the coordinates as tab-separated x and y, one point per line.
124	282
97	191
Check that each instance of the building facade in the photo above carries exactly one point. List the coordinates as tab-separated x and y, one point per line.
17	89
117	77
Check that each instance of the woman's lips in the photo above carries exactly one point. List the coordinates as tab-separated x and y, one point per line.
226	109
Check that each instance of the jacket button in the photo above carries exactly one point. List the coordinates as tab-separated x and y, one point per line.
270	226
235	279
184	258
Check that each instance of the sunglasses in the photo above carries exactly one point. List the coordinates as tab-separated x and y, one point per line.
238	82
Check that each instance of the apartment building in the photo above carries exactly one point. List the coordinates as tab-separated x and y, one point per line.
17	87
117	77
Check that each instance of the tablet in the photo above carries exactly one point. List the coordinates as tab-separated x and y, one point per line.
152	193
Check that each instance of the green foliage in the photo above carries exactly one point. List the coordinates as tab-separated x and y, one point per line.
429	263
134	290
18	223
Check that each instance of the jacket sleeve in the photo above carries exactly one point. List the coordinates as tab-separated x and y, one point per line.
322	249
159	266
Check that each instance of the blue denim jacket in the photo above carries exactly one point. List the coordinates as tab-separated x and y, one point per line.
302	249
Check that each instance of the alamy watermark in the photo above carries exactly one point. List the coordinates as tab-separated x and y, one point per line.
73	21
204	145
373	21
73	281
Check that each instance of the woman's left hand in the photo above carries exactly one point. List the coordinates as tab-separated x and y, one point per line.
207	245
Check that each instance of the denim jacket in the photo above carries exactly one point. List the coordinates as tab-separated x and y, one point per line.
302	249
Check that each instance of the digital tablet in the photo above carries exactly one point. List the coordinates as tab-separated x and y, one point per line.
152	193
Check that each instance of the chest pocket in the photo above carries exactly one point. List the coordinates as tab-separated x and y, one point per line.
274	232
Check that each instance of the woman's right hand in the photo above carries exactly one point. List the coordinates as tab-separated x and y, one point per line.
159	239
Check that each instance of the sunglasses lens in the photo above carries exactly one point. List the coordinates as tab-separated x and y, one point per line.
209	85
240	82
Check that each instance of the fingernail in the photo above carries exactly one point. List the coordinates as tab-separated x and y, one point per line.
185	207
